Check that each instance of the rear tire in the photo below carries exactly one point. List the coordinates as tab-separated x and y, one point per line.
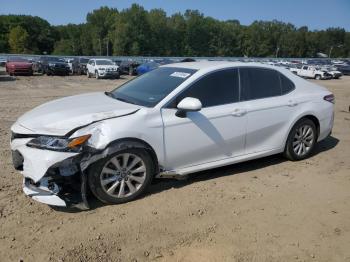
301	140
115	185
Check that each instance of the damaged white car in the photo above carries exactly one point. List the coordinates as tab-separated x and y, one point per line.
175	120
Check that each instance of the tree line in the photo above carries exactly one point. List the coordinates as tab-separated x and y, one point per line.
137	32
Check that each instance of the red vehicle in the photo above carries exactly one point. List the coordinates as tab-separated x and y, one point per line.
18	66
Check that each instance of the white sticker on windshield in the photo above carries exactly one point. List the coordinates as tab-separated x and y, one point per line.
180	74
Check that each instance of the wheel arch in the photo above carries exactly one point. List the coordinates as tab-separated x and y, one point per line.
309	116
315	120
121	144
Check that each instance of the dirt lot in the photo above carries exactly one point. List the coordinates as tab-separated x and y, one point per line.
264	210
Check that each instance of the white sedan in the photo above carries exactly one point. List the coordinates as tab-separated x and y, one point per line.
175	120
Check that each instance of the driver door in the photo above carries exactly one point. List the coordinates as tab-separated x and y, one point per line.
216	132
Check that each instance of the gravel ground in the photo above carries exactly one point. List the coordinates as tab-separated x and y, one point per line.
263	210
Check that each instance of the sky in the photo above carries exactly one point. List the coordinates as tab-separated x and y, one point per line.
316	14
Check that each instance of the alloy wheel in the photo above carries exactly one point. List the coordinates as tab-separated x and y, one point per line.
303	140
123	175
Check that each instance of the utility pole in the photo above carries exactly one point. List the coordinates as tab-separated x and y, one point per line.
99	40
277	50
107	46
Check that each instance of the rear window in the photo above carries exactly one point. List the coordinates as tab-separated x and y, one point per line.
259	83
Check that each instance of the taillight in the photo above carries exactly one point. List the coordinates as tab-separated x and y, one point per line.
329	98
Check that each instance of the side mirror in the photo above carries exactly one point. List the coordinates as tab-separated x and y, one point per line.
188	104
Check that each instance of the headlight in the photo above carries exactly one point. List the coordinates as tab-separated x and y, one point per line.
51	64
59	144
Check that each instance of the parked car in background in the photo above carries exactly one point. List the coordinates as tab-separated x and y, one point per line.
102	68
51	65
81	65
332	70
2	61
307	71
128	67
18	66
115	143
344	69
72	63
147	67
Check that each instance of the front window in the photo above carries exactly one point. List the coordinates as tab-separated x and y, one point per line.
149	89
104	62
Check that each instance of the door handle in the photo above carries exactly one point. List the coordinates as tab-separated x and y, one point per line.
239	112
292	103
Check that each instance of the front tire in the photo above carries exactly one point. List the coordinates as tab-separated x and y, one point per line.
88	74
96	75
121	177
301	140
317	77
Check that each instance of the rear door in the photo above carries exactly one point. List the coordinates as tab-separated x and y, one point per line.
214	133
270	106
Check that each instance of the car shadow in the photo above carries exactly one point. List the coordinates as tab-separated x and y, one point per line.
159	185
4	78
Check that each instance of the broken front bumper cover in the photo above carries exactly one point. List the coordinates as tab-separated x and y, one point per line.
42	193
50	177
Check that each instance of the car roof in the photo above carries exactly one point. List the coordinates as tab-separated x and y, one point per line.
212	65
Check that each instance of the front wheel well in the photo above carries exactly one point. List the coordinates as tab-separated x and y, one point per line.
125	143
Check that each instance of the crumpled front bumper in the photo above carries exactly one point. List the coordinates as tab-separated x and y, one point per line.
42	193
47	173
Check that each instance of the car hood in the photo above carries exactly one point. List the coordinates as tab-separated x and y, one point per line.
60	116
19	64
107	66
56	63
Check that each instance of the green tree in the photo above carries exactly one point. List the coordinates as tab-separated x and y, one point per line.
18	40
132	32
100	22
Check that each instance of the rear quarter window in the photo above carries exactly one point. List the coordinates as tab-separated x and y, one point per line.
287	85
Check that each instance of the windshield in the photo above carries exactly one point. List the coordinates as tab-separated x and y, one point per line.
17	59
84	60
149	89
55	59
104	62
